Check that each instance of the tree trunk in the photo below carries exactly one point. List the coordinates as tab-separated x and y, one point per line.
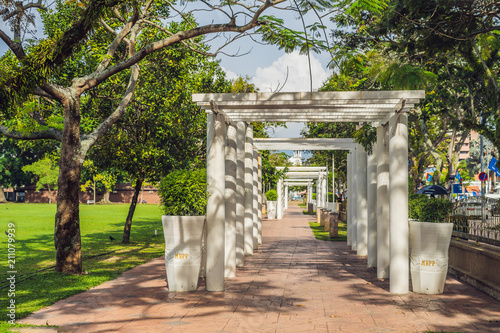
450	177
131	210
50	194
67	221
2	195
105	196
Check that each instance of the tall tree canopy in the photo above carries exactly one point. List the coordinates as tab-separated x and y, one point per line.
449	47
47	87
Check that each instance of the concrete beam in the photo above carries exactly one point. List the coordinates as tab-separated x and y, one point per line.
369	97
302	169
304	144
302	175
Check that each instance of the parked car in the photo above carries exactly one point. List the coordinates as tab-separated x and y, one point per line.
473	208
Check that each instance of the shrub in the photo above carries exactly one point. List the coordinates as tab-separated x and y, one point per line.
272	195
184	193
427	209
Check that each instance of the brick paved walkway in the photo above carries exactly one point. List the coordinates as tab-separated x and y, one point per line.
293	283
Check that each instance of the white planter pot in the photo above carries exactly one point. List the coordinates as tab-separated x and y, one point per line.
271	209
183	254
429	256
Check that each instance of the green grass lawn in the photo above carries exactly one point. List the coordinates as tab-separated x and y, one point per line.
35	250
320	234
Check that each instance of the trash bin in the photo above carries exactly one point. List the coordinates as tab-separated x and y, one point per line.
334	225
310	208
271	210
183	254
429	243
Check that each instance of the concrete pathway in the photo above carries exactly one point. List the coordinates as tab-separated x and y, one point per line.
293	283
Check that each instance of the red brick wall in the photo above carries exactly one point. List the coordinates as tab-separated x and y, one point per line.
122	194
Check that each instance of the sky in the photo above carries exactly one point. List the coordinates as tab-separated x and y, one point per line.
271	69
272	75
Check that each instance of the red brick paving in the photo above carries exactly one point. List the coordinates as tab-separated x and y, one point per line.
292	283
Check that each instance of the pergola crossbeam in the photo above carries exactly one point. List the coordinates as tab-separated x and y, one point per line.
304	144
368	96
386	103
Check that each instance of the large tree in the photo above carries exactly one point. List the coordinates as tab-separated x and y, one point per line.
159	134
458	41
42	96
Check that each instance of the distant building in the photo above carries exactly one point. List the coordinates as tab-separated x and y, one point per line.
465	150
296	159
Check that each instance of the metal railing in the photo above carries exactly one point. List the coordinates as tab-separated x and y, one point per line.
477	219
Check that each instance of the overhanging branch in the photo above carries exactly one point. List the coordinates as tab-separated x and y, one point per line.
50	133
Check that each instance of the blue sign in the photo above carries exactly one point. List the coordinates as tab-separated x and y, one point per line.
457	188
493	166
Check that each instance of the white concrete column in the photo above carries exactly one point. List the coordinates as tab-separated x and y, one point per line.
283	199
230	196
309	193
287	195
325	189
240	194
279	206
383	255
350	198
318	192
355	201
333	184
249	191
216	130
259	197
362	219
372	208
398	204
255	198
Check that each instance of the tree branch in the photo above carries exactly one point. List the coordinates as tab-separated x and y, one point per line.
50	133
96	78
116	42
14	46
88	141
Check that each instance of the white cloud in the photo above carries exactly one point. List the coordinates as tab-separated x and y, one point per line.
230	75
270	78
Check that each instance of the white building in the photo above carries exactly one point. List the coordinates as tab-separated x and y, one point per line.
296	159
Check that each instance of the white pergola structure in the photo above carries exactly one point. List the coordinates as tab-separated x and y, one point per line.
294	182
381	179
297	174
